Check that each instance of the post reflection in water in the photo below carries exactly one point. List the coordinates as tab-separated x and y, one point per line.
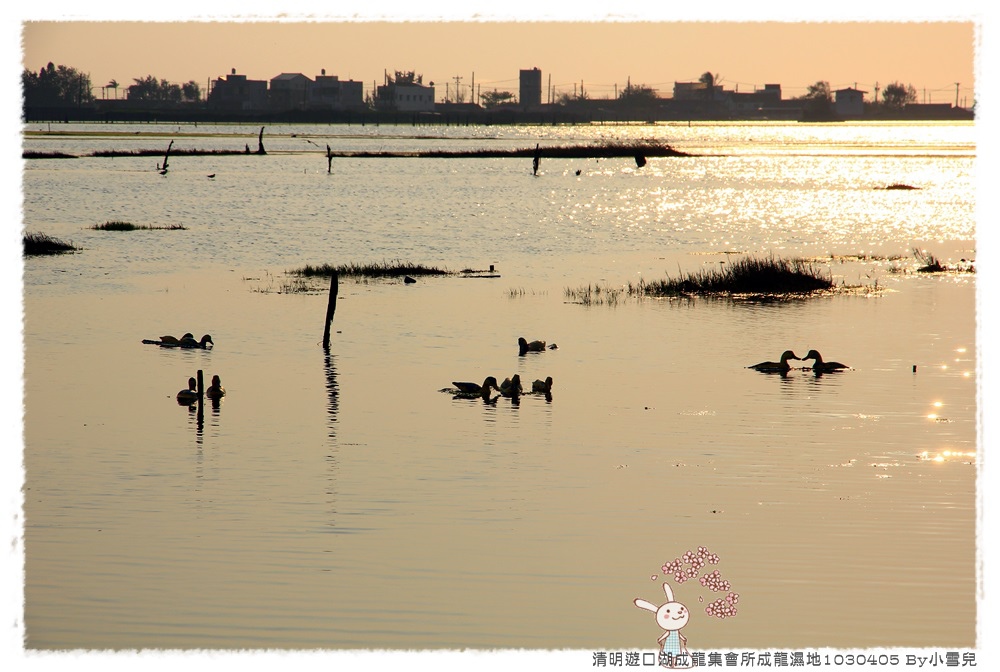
332	390
333	393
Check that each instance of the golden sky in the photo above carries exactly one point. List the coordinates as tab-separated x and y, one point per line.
597	54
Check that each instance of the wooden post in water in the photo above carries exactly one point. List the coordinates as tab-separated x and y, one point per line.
331	306
201	386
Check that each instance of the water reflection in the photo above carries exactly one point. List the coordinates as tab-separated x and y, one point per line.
332	407
332	391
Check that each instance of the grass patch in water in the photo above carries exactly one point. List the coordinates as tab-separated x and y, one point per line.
928	263
595	294
128	226
385	269
41	243
747	277
750	275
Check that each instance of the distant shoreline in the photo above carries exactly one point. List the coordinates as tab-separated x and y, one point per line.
645	149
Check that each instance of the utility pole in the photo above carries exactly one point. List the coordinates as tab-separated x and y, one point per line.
956	94
458	95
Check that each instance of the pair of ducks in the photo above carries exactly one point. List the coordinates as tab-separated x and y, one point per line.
510	387
819	366
185	341
190	395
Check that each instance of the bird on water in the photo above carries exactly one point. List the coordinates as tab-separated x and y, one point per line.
819	366
190	395
534	346
474	388
776	367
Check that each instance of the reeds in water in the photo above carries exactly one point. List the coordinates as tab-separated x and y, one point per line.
594	295
750	275
128	226
41	243
385	269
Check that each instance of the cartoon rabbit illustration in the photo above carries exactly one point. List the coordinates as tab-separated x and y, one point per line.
671	616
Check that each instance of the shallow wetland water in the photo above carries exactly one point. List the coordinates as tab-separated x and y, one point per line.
342	500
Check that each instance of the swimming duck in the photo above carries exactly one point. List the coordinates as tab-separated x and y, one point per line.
819	366
534	346
543	386
776	367
473	388
216	391
511	387
190	395
173	340
167	341
189	342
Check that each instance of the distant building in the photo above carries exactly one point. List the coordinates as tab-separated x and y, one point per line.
405	97
531	88
237	93
849	102
764	102
289	91
331	93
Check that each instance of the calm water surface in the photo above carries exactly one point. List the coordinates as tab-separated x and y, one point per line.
342	500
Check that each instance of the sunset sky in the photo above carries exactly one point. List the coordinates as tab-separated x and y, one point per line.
931	51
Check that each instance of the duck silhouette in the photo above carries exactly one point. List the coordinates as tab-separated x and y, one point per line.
473	388
189	342
819	366
534	346
216	390
543	386
511	387
776	367
173	340
168	341
190	395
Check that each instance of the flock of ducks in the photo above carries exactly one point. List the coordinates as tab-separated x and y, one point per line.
512	387
189	395
185	341
819	365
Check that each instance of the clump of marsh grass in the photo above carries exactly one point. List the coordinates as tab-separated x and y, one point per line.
270	285
928	262
128	226
748	276
931	264
518	292
594	295
41	243
385	269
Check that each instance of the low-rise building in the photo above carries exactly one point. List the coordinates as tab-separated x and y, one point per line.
405	93
290	91
237	93
329	92
849	102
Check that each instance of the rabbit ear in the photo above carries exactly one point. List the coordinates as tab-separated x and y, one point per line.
643	604
668	592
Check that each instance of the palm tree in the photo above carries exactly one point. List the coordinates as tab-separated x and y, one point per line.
113	84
